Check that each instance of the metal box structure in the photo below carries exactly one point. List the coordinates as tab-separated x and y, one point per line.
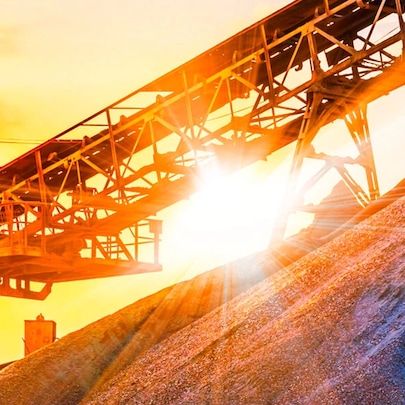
38	333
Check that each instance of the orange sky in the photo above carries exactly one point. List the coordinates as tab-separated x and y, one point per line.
63	61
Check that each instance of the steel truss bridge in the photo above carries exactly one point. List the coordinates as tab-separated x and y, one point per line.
83	204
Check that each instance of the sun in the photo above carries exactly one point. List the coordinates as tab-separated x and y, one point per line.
230	217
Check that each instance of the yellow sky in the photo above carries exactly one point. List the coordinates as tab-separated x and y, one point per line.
62	61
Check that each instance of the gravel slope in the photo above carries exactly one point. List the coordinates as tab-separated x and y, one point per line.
327	329
67	370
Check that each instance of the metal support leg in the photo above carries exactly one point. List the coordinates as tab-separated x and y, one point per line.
307	133
356	122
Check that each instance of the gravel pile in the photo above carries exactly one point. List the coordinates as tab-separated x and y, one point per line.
329	328
66	371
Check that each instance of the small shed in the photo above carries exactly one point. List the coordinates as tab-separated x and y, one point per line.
38	333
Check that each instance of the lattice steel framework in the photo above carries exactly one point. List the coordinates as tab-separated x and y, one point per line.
84	204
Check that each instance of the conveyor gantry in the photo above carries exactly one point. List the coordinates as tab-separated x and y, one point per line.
83	204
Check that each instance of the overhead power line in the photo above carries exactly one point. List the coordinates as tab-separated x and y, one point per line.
23	141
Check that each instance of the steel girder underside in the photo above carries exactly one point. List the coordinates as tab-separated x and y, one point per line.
84	204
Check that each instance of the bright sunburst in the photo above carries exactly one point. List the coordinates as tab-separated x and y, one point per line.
230	217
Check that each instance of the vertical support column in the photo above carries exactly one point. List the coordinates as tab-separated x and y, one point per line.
308	131
42	191
315	62
401	23
326	5
8	210
188	104
114	156
136	241
155	150
357	123
269	71
42	186
155	227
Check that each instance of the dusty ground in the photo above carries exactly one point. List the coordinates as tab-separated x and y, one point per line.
326	329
